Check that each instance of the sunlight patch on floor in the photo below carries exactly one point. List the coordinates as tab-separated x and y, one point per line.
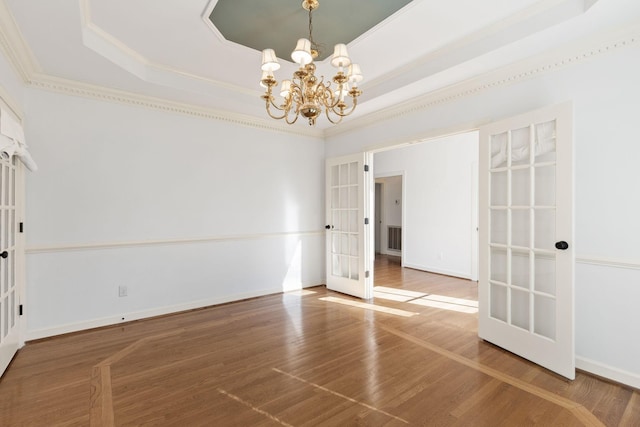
403	292
301	292
426	300
372	307
443	305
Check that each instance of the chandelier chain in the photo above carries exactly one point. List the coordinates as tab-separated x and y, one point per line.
314	46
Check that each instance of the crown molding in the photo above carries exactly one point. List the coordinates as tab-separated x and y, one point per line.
15	47
10	104
547	62
519	25
108	46
74	88
19	55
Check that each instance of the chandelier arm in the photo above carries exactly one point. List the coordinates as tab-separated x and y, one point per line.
328	111
284	114
350	109
290	122
274	105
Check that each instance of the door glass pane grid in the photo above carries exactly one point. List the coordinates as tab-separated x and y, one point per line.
545	142
520	146
344	214
516	297
6	191
8	289
545	185
544	270
520	308
544	323
5	317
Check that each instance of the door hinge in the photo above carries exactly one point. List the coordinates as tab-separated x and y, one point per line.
366	221
21	227
20	310
366	168
366	274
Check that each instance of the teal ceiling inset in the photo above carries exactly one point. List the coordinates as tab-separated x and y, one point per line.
278	24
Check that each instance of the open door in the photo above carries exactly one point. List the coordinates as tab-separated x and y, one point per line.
9	291
349	243
526	263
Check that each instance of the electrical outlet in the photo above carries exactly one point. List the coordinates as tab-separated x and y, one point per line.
440	256
122	291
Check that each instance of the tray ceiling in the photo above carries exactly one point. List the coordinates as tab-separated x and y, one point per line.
171	51
278	24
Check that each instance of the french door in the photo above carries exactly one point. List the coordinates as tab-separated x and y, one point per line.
9	291
349	235
526	287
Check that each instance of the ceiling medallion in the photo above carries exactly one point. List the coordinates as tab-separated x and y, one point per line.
305	95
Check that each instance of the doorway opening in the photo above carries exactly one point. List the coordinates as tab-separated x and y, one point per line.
388	214
426	206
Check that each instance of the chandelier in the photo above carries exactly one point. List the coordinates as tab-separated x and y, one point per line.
304	95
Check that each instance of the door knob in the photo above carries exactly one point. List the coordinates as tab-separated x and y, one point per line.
327	227
562	245
4	254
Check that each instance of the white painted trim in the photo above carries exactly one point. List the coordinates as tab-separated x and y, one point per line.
517	26
475	219
205	17
144	314
437	270
69	87
532	67
107	45
547	62
391	252
14	45
164	242
608	262
600	369
10	104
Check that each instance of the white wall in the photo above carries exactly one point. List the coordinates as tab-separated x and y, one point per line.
438	202
183	211
606	97
391	209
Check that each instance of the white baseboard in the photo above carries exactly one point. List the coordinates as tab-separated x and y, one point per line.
600	369
390	252
145	314
430	269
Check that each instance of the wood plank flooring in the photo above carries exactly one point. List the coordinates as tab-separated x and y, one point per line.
314	357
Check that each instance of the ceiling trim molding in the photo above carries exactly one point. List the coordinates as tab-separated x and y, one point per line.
21	58
516	26
74	88
110	47
15	47
7	101
205	17
544	63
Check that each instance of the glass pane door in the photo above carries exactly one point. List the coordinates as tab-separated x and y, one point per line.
346	253
9	296
526	280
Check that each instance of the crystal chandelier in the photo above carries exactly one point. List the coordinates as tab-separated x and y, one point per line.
305	95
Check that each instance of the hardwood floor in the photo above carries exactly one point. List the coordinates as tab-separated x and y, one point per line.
409	357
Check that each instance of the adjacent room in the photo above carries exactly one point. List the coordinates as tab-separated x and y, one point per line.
319	212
